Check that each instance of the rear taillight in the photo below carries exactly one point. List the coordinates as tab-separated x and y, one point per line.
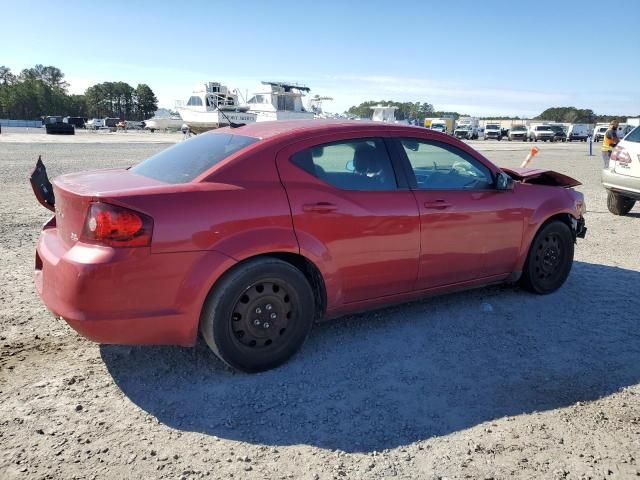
620	155
116	226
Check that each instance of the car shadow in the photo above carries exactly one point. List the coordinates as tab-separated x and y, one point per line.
404	374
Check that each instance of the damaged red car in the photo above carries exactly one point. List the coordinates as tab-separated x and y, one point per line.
251	234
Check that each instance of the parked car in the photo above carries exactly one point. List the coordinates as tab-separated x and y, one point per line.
519	132
559	134
493	130
542	132
251	234
622	178
54	125
578	131
95	124
77	122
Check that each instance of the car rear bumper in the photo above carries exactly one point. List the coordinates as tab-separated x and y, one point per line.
623	184
125	295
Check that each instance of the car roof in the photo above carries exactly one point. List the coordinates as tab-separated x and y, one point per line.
280	128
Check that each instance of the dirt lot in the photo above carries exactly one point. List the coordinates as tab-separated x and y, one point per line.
495	383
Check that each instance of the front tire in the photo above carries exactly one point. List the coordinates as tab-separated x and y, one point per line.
619	205
549	260
258	315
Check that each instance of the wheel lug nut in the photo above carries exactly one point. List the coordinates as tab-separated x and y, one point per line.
256	322
273	316
266	324
268	306
258	310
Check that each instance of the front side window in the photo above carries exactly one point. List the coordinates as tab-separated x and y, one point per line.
359	164
186	160
438	166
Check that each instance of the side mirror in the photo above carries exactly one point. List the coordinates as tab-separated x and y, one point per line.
504	182
350	167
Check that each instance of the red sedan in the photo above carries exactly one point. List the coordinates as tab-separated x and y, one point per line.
251	234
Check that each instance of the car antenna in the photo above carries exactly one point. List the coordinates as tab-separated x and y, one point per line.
231	124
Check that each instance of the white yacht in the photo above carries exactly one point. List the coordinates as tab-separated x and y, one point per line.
213	105
279	101
387	114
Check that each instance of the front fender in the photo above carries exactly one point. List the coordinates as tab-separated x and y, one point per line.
562	203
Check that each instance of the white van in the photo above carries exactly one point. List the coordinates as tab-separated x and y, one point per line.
578	131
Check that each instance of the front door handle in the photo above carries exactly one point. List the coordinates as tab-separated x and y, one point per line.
437	205
320	207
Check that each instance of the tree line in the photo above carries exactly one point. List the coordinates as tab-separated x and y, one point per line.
577	115
42	90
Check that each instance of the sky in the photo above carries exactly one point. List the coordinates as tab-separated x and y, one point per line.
474	57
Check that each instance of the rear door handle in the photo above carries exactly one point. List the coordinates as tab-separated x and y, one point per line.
320	207
437	205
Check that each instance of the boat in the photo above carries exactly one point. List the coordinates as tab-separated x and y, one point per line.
387	114
213	105
172	122
279	101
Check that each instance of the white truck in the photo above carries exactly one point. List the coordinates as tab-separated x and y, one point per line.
493	130
444	125
467	128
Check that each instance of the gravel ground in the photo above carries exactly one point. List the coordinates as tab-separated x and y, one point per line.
493	383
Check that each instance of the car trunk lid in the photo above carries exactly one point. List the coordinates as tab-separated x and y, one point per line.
71	194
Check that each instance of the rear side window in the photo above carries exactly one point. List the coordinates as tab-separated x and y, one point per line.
186	160
357	164
634	136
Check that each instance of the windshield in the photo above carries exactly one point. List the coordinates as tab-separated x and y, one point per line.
519	129
544	128
186	160
493	127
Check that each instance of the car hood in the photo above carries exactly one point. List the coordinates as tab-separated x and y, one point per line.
541	176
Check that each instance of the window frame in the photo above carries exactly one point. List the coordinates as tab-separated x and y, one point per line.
402	183
410	174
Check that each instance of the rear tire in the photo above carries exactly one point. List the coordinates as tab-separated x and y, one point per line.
618	204
549	260
258	315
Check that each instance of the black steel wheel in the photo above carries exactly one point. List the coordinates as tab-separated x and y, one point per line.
618	204
258	315
550	258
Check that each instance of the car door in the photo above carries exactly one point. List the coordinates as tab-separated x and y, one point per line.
469	230
351	216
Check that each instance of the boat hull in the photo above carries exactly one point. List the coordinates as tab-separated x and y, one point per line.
203	121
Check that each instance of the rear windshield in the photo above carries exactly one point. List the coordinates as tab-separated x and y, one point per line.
634	136
186	160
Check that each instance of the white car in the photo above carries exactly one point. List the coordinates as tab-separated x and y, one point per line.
622	177
543	133
95	124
